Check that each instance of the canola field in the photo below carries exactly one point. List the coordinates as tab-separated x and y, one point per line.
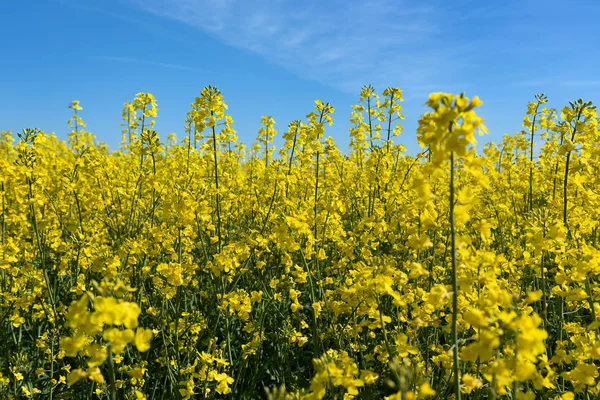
200	268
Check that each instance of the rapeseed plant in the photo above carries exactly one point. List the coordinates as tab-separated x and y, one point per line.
202	268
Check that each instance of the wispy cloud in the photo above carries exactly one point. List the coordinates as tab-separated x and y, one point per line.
142	23
145	62
344	43
413	45
581	83
529	83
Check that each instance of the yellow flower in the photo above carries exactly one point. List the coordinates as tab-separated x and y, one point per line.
425	390
139	395
76	375
476	318
223	383
118	339
73	345
75	105
470	383
566	396
142	339
317	308
137	373
97	353
95	375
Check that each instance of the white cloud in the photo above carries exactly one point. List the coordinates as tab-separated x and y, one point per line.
146	62
581	83
343	43
529	83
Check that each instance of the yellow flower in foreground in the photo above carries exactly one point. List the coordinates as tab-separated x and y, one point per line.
470	383
142	339
118	338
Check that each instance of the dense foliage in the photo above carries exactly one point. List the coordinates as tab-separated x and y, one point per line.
199	268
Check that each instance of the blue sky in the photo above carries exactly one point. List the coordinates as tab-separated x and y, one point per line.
276	57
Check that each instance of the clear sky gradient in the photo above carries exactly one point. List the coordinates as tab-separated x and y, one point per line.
276	57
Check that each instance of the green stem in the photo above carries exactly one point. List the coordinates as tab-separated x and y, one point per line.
566	179
218	197
454	285
531	158
112	388
389	129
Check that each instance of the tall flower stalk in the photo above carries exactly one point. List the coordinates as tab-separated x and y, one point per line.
448	131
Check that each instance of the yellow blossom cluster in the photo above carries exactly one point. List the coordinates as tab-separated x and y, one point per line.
201	268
